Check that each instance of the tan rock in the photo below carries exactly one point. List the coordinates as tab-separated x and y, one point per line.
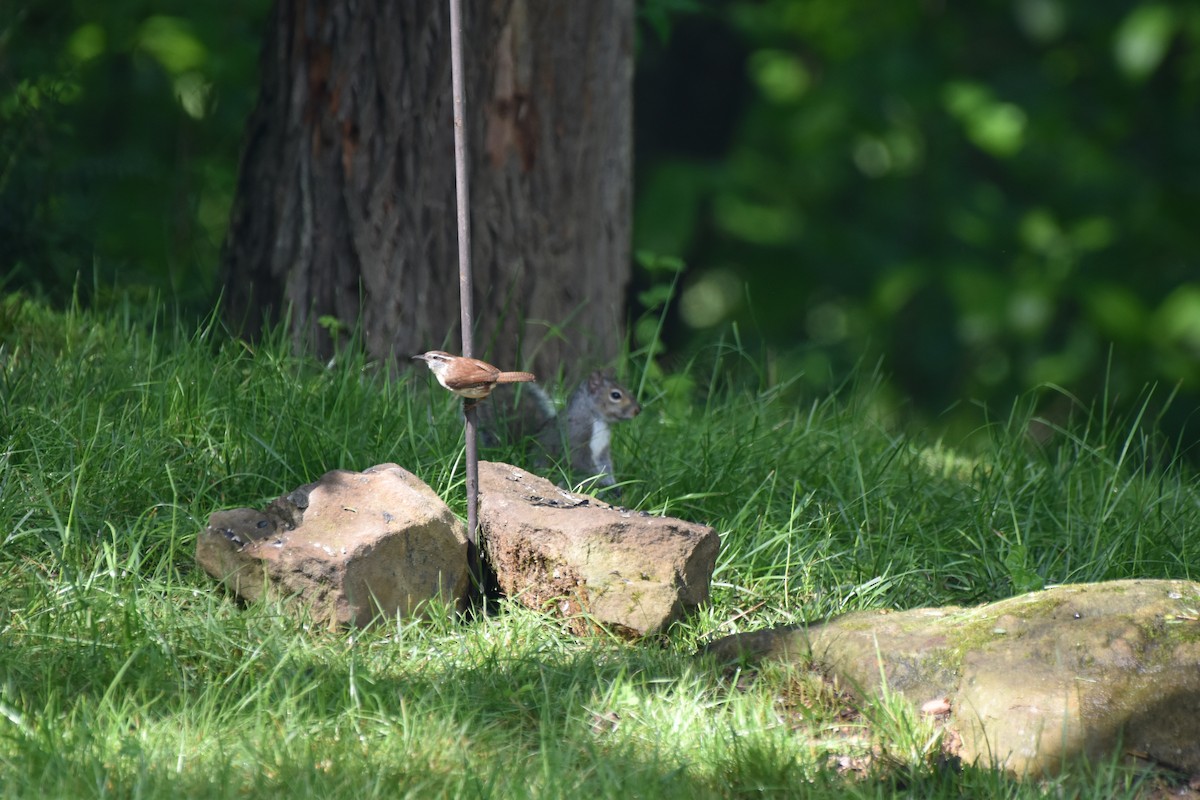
1034	681
352	546
587	561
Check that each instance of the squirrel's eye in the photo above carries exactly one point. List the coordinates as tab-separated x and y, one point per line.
614	395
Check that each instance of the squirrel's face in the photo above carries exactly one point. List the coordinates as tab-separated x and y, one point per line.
618	404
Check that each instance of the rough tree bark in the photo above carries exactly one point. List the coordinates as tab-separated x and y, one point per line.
345	197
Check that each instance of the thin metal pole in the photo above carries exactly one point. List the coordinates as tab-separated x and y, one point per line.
466	295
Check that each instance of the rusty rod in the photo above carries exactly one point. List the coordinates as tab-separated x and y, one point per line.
466	295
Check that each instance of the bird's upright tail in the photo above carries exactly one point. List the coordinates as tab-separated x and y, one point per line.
515	377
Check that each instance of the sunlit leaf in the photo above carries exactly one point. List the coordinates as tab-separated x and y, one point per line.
172	44
1029	311
656	262
655	296
994	126
1042	20
896	286
999	129
1039	230
194	93
710	299
755	222
781	76
1178	318
1143	38
87	42
872	157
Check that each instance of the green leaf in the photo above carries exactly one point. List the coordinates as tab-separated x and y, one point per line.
1024	579
655	296
170	41
653	262
1142	40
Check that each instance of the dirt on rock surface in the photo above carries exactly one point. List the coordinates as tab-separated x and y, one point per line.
590	563
351	547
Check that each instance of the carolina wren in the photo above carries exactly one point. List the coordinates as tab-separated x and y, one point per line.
469	377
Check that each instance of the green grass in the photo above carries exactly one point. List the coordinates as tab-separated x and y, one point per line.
124	672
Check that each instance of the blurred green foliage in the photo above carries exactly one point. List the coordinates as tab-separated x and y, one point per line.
990	196
987	196
120	125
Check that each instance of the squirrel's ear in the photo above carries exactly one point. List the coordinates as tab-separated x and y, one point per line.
595	379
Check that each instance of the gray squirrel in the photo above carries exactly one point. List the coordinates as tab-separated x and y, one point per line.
582	430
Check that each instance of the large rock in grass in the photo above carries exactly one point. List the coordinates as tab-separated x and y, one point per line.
350	547
1032	682
588	562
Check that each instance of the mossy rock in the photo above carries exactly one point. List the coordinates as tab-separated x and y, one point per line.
1034	681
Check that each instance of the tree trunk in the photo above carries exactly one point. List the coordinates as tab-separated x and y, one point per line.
345	198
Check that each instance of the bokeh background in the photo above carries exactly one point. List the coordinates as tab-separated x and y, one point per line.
978	199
